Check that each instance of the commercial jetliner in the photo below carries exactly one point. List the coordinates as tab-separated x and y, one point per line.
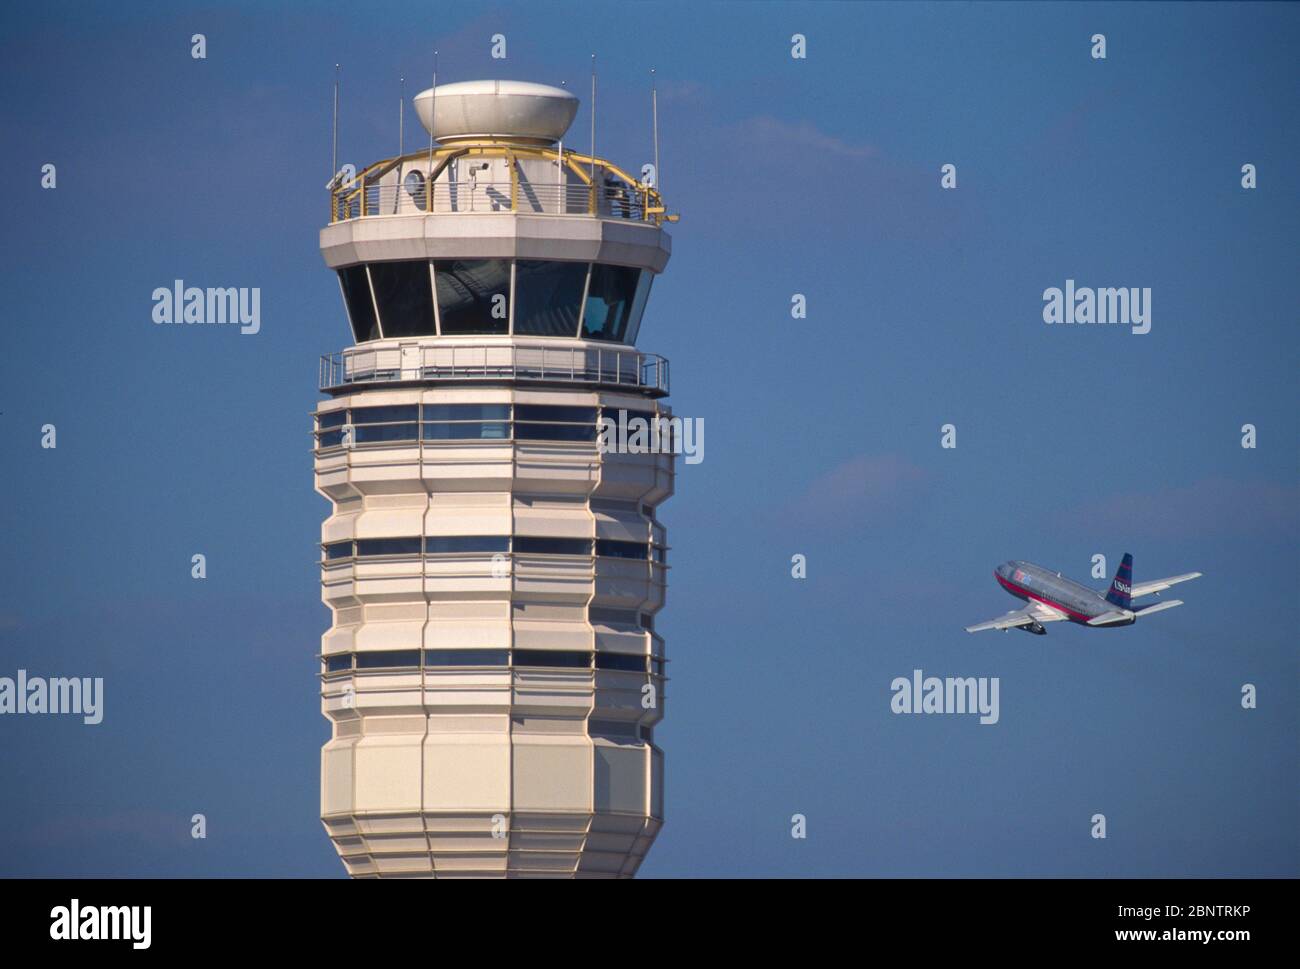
1051	598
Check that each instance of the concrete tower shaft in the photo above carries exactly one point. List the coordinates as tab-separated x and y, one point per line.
492	674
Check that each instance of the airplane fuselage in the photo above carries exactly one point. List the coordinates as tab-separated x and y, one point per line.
1028	581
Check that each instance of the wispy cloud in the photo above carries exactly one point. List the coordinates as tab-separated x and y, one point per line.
860	490
147	826
1068	132
1211	506
681	90
798	167
802	138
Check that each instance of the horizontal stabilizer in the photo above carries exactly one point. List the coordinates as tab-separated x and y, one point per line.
1160	585
1111	619
1157	607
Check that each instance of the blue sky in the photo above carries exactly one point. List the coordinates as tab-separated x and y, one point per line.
816	176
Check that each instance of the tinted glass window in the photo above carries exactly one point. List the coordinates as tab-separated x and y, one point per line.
334	418
466	657
579	423
467	543
389	659
622	550
338	550
467	412
388	546
337	664
624	617
549	657
361	311
617	661
552	546
555	432
467	422
386	432
473	431
644	429
466	292
611	728
554	412
368	419
609	302
548	296
330	438
385	415
404	296
638	305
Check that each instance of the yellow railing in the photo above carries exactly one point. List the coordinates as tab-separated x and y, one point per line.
399	186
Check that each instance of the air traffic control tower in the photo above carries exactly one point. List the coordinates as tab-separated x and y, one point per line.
492	674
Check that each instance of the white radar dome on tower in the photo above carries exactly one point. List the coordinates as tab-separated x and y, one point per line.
518	111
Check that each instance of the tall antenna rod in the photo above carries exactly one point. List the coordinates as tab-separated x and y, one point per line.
334	151
561	196
654	114
593	126
401	119
433	101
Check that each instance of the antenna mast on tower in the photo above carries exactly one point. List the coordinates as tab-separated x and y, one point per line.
433	105
334	150
654	124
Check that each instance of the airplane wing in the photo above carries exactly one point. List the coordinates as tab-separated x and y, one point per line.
1160	585
1030	614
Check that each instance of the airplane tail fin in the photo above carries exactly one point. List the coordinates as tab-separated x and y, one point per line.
1121	587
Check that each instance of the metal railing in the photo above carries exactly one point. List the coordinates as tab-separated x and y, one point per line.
566	183
609	201
420	363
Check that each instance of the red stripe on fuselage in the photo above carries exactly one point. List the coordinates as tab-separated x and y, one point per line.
1023	593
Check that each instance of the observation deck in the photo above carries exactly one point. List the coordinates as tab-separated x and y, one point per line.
615	368
495	177
495	146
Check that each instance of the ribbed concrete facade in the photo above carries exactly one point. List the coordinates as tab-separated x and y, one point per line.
491	675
